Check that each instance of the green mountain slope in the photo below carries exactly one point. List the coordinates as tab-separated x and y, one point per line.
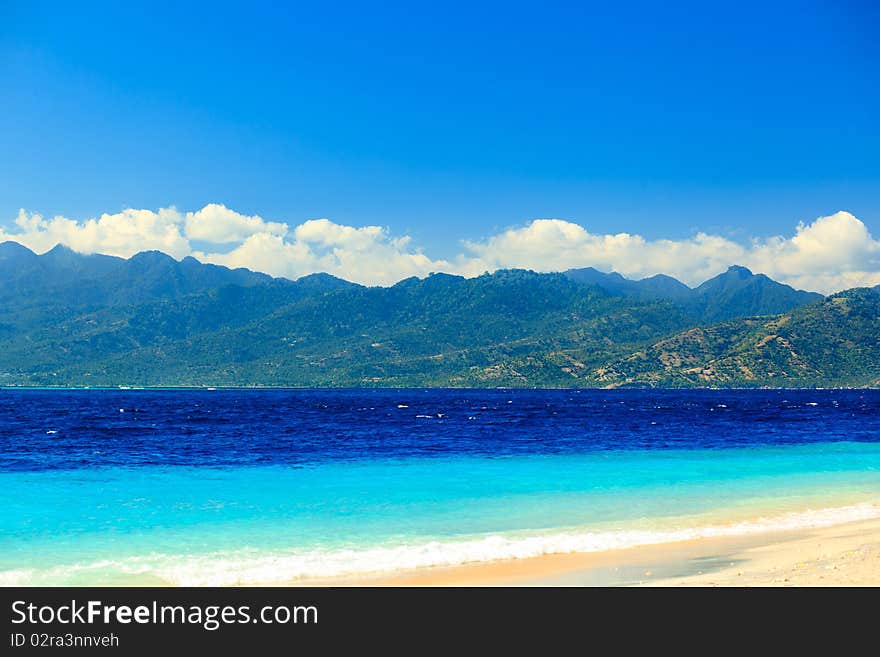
71	319
738	293
833	342
442	330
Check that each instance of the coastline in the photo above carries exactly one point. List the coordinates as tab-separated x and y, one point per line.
845	554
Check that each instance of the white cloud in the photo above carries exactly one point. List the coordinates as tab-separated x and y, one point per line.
365	255
554	245
829	254
121	234
326	233
218	224
832	253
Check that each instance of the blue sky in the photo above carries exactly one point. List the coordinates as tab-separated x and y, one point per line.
447	122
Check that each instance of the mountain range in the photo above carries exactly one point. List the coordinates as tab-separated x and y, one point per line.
150	320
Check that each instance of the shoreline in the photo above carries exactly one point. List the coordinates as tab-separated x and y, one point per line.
844	554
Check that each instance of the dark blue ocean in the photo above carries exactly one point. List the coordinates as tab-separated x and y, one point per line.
259	486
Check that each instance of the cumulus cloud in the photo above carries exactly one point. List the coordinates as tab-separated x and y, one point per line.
122	234
130	231
831	253
218	224
554	245
366	255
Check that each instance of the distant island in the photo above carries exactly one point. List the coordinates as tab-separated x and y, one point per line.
68	319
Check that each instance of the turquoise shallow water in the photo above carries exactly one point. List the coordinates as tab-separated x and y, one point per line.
258	524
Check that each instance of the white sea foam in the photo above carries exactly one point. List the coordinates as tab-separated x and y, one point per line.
254	567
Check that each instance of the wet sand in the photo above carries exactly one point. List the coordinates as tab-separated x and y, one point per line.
841	555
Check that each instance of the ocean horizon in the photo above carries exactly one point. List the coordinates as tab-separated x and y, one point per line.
266	486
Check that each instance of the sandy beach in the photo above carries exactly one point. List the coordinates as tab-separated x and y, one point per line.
841	555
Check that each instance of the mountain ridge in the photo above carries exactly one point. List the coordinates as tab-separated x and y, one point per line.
73	319
743	292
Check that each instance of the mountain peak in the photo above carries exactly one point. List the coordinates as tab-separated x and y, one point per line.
655	287
409	281
734	277
151	256
58	250
10	249
591	274
740	271
739	293
323	281
661	286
